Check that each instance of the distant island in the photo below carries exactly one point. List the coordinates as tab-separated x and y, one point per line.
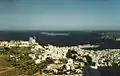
54	34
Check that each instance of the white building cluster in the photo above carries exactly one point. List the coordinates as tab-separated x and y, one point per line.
101	58
19	43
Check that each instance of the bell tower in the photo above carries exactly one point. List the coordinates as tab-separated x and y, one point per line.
32	40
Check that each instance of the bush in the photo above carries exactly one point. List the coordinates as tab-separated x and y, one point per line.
89	60
49	60
63	60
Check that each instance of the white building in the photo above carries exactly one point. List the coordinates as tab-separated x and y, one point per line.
69	65
23	44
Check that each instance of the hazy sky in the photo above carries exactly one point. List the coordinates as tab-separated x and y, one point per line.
60	14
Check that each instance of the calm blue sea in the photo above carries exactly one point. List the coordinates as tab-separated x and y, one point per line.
56	38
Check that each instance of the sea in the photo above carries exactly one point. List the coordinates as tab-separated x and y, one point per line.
65	38
105	40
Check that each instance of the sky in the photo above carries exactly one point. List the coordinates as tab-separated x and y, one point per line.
59	15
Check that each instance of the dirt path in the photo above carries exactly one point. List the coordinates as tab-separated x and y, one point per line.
7	69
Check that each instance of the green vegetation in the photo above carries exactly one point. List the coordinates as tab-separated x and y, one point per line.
89	60
3	61
23	63
63	60
70	52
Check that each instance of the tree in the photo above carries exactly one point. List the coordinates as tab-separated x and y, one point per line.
69	54
89	59
63	60
49	60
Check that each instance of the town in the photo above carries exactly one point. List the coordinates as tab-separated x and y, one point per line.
31	58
